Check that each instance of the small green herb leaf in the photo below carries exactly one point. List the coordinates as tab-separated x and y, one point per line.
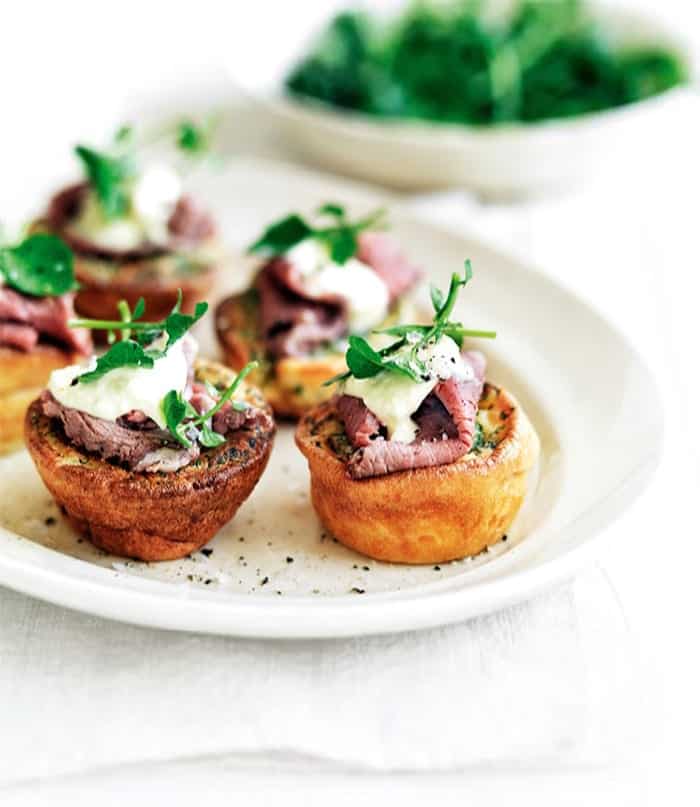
340	239
209	438
342	244
175	409
282	236
41	265
436	297
139	309
332	209
177	324
362	359
121	354
107	175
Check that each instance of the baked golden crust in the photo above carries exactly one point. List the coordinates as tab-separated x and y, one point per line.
427	515
292	385
22	377
151	516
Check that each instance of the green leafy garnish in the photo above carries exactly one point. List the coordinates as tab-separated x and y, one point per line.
340	238
175	325
134	349
41	265
122	354
187	425
196	139
111	172
403	356
459	63
108	175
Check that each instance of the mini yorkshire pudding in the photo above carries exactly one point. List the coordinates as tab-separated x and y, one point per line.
425	515
186	264
154	516
322	281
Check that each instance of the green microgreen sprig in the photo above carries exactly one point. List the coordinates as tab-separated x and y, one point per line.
340	238
188	426
136	336
402	356
111	171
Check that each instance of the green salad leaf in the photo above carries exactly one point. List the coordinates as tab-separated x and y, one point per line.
340	237
41	265
459	62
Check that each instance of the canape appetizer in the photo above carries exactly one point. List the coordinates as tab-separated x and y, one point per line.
320	283
418	459
147	451
36	303
133	230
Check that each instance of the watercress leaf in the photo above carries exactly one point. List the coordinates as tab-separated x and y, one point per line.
437	298
121	354
341	243
177	324
41	265
191	138
174	411
332	209
209	438
107	175
282	236
139	309
362	359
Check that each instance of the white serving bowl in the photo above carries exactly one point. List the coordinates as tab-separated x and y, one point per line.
503	160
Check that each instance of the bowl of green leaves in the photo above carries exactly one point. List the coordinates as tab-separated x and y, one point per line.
506	99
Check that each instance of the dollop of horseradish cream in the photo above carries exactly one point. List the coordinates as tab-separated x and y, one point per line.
153	196
125	388
365	293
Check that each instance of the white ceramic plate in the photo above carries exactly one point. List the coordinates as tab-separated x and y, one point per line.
504	160
272	571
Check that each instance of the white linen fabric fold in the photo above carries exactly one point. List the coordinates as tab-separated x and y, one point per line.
544	681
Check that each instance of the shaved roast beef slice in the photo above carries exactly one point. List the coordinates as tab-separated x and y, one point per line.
434	421
22	337
226	419
382	253
461	398
361	425
127	446
190	222
49	316
387	456
291	325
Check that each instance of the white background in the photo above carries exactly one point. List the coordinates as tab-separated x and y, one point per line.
75	69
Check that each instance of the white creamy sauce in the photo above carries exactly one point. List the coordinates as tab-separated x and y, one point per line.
123	389
394	397
153	195
365	293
